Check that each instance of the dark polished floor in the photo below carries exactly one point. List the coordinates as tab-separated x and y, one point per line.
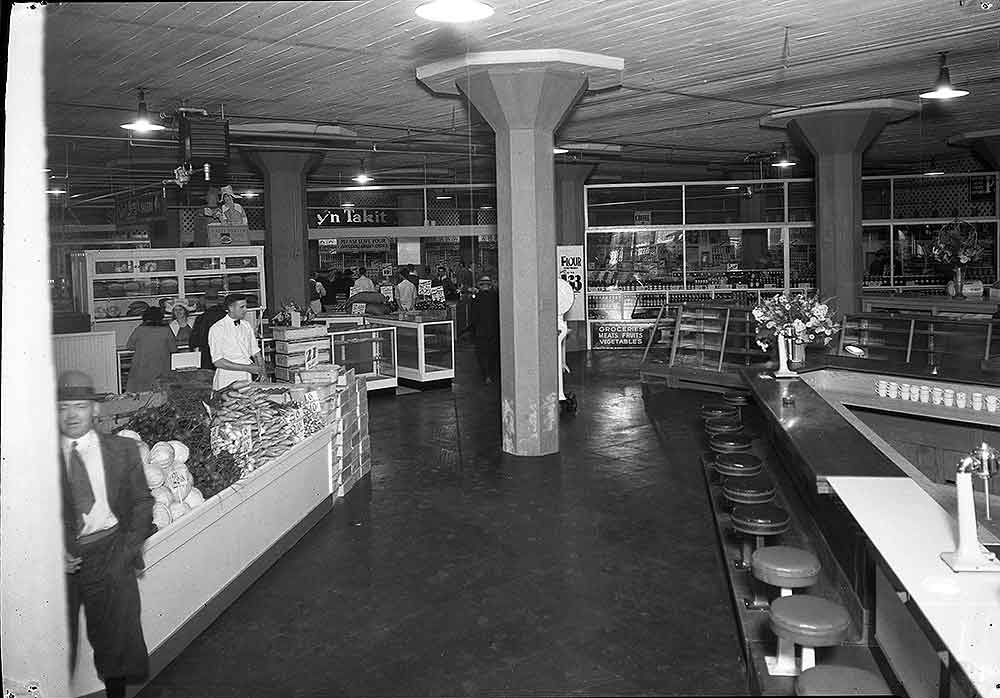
467	572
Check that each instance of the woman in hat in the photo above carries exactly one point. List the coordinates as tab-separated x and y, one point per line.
153	343
231	213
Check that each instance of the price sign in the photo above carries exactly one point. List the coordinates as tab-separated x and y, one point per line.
312	357
437	294
358	308
425	287
387	292
569	259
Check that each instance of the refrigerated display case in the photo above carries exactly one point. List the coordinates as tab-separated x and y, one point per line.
116	286
425	351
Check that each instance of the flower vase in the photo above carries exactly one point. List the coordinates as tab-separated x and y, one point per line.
796	353
783	351
958	281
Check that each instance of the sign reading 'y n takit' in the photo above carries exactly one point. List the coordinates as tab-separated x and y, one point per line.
352	217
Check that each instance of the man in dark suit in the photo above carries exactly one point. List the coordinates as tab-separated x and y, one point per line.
484	323
203	323
107	515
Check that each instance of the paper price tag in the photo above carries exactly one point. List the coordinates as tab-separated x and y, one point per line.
312	357
425	287
437	294
358	308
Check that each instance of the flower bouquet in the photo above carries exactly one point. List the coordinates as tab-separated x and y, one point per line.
957	244
792	321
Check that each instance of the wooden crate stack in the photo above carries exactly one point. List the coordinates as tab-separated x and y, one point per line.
351	441
291	345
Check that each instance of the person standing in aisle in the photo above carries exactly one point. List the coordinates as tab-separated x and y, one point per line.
406	292
153	343
316	293
215	310
233	345
465	277
484	323
181	325
107	515
363	283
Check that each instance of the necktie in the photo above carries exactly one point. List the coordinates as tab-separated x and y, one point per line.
79	485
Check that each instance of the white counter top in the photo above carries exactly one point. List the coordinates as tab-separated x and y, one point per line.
910	531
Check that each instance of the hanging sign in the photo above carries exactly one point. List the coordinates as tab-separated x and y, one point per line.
569	266
612	335
643	217
352	217
138	208
335	245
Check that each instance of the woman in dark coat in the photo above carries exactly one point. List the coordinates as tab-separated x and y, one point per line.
153	343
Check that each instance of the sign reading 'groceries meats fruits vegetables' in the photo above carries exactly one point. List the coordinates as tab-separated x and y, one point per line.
619	334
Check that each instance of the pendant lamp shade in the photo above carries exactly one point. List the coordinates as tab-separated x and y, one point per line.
142	122
943	88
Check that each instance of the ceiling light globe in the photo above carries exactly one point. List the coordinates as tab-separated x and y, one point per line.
454	11
362	179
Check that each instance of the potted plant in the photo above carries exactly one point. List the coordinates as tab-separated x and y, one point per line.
956	244
792	321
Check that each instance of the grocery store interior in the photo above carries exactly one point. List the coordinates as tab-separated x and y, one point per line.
740	428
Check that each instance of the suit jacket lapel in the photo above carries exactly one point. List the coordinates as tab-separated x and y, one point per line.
112	479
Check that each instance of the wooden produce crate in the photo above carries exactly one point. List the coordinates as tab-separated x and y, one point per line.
295	334
299	359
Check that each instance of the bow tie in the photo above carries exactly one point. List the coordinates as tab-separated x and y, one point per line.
236	322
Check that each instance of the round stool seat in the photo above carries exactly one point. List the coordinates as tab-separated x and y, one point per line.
723	425
760	519
730	443
737	464
736	399
809	620
833	680
712	411
757	489
785	566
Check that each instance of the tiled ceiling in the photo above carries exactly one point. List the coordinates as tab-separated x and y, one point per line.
698	76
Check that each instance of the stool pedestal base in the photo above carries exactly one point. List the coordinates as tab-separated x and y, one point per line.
784	663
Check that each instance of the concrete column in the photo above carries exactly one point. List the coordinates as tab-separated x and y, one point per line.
35	637
525	97
286	246
838	136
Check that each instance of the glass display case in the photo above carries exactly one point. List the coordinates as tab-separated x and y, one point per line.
425	351
370	351
115	287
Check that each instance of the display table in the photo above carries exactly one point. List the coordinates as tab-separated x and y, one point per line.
960	613
425	350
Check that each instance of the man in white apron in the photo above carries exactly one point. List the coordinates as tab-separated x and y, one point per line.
235	352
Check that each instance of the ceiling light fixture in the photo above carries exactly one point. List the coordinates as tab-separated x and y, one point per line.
443	197
250	195
347	204
55	192
142	122
454	11
784	159
363	178
933	170
733	187
943	88
559	151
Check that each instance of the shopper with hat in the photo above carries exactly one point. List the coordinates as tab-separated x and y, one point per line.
484	323
107	515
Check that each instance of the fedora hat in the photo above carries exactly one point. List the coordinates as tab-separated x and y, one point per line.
75	385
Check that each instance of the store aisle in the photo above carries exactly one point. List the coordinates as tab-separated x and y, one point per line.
595	572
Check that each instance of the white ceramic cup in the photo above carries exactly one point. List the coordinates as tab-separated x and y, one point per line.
914	393
960	400
977	401
882	388
925	393
893	390
991	403
904	391
949	398
937	396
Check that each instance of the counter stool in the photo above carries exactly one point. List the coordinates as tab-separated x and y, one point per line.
836	680
759	521
756	489
735	465
730	443
723	425
784	567
806	620
739	400
711	411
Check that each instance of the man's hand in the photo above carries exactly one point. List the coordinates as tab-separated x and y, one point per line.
71	564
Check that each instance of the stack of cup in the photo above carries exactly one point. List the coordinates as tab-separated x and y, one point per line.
961	400
937	396
893	390
915	393
949	398
882	388
991	403
925	393
904	391
977	401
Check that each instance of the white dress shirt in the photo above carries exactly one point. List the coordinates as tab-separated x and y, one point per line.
406	294
363	284
236	343
100	517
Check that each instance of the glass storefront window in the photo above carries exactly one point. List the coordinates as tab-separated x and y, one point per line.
875	201
801	202
751	203
620	206
653	259
875	243
802	257
912	245
735	258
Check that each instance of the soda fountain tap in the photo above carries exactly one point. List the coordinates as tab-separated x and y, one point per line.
989	465
970	555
